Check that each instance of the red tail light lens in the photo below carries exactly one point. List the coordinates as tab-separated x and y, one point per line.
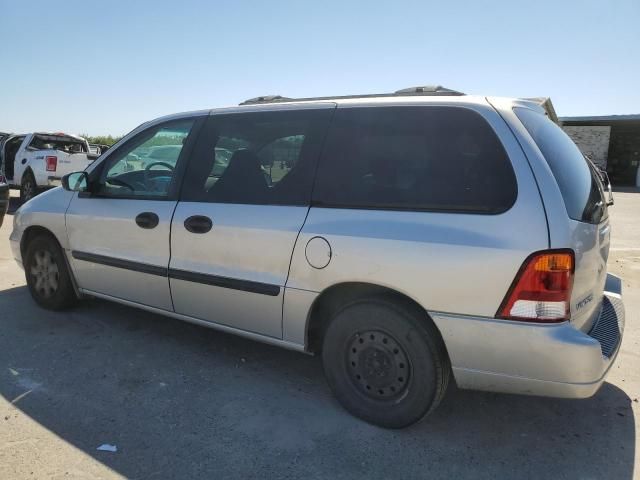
52	163
2	178
541	291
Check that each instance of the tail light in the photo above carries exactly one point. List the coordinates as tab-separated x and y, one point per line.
2	179
541	291
52	163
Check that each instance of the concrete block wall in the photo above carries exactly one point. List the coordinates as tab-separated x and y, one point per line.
592	141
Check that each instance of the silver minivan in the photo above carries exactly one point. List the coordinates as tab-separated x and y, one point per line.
406	238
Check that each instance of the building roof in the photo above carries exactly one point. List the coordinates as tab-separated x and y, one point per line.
603	119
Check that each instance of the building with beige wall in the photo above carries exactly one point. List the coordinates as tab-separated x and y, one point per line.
613	142
593	141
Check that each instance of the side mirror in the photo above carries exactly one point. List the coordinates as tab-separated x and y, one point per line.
76	182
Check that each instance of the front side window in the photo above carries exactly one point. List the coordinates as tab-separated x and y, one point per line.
263	158
145	166
414	158
579	184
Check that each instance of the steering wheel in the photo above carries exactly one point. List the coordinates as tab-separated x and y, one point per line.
147	168
117	181
164	164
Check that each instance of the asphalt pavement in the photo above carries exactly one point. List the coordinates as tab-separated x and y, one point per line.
182	401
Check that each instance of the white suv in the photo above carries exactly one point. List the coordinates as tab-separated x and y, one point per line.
406	238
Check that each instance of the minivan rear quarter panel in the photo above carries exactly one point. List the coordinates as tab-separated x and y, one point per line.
447	262
589	241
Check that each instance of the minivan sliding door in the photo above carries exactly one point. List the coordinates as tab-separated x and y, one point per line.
244	200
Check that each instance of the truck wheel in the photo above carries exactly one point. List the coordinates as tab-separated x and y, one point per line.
29	188
48	278
385	362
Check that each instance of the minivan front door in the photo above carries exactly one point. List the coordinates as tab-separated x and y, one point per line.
244	200
119	232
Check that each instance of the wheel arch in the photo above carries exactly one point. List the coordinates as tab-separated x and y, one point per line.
330	300
34	231
27	171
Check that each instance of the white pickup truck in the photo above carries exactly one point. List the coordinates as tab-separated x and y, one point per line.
36	161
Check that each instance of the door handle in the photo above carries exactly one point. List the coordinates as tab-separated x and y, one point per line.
198	224
147	220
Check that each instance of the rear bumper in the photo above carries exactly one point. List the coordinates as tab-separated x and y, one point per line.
54	181
535	359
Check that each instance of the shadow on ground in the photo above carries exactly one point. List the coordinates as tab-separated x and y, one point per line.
182	401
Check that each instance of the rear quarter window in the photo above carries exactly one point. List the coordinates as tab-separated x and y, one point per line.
580	188
442	159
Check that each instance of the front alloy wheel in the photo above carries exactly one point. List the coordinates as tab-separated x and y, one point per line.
45	274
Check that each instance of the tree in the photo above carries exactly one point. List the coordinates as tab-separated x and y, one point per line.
100	139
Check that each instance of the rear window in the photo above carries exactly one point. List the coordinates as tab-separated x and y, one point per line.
58	142
578	182
414	158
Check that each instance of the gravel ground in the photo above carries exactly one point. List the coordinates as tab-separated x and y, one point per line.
181	401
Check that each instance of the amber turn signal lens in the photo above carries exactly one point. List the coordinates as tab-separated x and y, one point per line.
553	262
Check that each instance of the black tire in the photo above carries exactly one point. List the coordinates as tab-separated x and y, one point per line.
385	361
28	188
47	274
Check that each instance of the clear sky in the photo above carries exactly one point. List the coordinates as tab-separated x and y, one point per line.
103	67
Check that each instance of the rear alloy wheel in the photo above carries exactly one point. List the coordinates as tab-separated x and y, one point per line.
385	361
29	188
47	274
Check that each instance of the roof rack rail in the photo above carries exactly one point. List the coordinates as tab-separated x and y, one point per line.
266	99
429	90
